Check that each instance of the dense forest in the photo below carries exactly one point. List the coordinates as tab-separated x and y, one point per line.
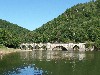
11	35
80	23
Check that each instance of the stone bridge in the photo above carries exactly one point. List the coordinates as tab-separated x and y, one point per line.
53	46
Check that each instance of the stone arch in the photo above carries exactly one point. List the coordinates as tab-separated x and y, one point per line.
37	47
30	47
44	47
60	48
23	47
76	47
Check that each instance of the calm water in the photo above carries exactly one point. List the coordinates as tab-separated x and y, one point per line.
50	63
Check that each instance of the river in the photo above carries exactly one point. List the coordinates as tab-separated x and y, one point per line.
50	63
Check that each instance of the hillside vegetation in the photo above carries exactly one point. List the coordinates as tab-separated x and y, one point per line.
11	35
80	23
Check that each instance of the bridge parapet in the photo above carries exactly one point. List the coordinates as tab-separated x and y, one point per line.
51	46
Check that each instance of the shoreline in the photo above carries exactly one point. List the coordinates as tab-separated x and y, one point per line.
4	51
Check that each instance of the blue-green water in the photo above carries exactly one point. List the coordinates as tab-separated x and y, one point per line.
50	63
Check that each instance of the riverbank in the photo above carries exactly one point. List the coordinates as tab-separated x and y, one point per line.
8	50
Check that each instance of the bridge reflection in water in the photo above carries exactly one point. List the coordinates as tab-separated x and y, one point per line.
47	63
52	55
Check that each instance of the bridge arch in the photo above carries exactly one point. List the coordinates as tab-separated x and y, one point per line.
76	47
30	47
44	47
59	48
37	47
23	47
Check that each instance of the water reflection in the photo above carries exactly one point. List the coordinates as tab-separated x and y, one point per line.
1	56
52	55
49	63
25	70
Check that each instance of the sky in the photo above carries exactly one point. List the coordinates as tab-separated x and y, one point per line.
32	14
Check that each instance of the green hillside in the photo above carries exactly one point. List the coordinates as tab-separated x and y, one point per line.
80	23
11	35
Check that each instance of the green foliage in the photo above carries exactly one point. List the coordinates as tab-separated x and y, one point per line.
11	35
80	23
97	43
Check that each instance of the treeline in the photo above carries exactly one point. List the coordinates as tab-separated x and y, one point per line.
81	23
11	35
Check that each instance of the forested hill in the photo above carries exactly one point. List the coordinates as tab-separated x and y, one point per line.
11	34
80	23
